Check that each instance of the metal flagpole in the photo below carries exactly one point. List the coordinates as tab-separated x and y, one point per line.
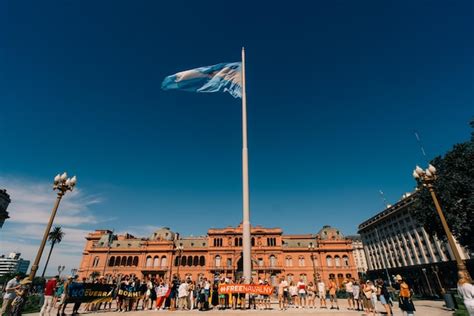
247	262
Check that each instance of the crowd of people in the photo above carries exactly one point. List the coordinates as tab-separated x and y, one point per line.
186	294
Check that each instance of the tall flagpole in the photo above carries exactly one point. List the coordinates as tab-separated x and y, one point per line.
247	261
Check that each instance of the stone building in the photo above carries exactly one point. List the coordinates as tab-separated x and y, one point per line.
359	255
395	243
220	253
13	263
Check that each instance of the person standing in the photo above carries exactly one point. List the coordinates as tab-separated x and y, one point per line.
356	294
350	293
466	291
333	293
282	289
404	299
10	294
301	293
311	294
384	296
369	290
182	296
322	293
20	299
294	294
49	290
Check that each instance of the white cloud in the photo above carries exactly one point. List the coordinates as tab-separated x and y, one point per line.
30	210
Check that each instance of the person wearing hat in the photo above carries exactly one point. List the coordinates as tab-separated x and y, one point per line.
20	298
404	298
10	294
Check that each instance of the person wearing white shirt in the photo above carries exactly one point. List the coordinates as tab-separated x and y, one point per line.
466	291
322	293
183	292
10	294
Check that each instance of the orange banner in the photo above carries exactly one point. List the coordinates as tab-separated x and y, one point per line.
245	288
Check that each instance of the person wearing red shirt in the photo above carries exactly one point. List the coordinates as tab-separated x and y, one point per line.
49	290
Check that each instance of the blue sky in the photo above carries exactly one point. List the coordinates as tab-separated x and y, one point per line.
335	91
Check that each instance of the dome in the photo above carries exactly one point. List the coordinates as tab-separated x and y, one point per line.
330	233
163	233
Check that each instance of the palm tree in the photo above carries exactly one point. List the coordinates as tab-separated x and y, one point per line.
55	237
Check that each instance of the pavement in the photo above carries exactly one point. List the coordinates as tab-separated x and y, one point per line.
423	307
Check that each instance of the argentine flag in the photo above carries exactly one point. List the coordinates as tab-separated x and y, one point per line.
226	77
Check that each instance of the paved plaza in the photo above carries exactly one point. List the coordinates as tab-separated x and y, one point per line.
431	308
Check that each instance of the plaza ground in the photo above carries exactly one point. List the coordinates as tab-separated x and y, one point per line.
423	307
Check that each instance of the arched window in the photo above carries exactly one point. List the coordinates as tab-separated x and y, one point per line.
164	262
202	261
117	261
301	262
135	261
345	260
289	261
337	261
183	261
156	262
149	262
217	261
124	261
253	241
196	261
129	261
111	261
272	261
289	277
240	241
329	261
332	276
190	261
176	261
229	263
348	275
236	241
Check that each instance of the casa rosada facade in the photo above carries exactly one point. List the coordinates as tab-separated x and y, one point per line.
327	254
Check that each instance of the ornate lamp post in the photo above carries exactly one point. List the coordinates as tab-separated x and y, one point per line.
311	249
60	269
426	178
179	250
62	184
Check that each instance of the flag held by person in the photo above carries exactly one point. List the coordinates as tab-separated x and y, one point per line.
224	77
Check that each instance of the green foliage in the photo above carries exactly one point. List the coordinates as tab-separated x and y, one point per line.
56	235
454	188
32	304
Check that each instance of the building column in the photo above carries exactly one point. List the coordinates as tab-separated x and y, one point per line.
428	244
395	248
440	251
422	250
415	252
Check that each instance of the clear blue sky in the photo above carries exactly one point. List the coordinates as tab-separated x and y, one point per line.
335	90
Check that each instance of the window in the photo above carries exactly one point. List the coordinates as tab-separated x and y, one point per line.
176	261
124	261
272	261
202	261
304	277
183	261
260	262
129	261
253	241
95	262
117	261
190	260
288	261
111	261
164	262
217	242
195	261
337	261
290	277
229	263
271	242
149	262
217	261
135	261
238	242
156	262
301	262
329	261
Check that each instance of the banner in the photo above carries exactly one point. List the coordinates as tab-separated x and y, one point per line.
89	292
126	291
245	288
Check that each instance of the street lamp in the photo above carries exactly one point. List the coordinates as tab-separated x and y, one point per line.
179	250
427	281
73	272
62	184
426	178
60	269
311	249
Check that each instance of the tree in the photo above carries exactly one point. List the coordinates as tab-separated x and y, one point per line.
454	188
55	237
